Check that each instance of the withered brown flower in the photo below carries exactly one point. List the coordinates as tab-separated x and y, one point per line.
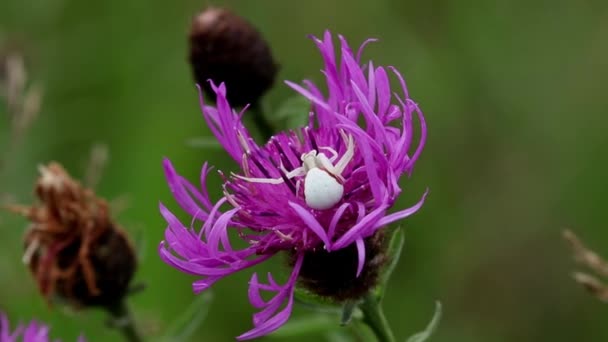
73	248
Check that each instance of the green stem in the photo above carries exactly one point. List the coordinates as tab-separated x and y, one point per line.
374	318
265	127
123	321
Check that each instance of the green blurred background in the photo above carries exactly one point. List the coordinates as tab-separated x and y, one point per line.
514	96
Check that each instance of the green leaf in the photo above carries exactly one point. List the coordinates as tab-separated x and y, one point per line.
314	302
338	336
306	325
395	247
293	112
203	142
347	312
424	335
186	324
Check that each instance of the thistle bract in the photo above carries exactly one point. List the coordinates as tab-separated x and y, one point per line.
324	188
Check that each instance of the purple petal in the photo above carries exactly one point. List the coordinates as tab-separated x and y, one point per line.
361	253
401	214
371	79
362	47
423	133
307	94
205	230
334	221
355	232
383	90
219	231
311	222
254	292
180	193
356	74
272	323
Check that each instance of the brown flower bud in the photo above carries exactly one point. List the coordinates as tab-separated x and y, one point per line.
226	48
73	248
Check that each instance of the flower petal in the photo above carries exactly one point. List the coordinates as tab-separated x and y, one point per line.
311	222
272	320
401	214
361	254
356	231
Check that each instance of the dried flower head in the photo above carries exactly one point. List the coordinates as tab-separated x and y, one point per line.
320	193
224	47
72	247
32	332
591	260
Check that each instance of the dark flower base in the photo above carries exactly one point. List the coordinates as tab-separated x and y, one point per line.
114	264
333	275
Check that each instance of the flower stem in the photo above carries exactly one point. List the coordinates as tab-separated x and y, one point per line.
265	127
374	318
123	321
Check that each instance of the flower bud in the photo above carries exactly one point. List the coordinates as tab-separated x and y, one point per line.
74	250
226	48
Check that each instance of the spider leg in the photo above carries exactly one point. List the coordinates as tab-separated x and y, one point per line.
324	163
289	175
348	155
260	180
298	186
295	172
334	154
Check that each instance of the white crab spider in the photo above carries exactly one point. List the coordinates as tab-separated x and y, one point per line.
322	179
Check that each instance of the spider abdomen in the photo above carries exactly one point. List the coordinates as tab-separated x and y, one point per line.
321	189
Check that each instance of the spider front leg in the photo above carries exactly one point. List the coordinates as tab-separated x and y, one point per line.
348	155
260	180
336	170
289	175
334	153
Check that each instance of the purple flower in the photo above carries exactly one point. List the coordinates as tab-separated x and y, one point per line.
326	186
32	332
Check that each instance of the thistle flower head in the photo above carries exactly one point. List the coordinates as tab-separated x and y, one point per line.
32	332
324	189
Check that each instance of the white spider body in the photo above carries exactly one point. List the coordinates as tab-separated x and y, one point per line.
323	180
321	190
